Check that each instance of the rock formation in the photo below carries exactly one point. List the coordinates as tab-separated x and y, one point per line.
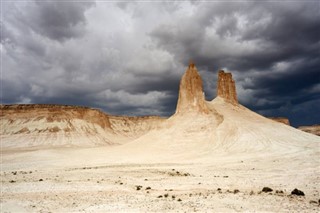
226	87
281	120
60	125
191	96
314	129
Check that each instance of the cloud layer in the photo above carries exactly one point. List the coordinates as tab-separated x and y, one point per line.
128	57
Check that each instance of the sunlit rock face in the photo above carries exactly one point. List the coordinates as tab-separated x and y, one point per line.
226	87
191	96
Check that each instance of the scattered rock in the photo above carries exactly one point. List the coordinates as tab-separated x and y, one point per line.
266	189
297	192
313	202
138	188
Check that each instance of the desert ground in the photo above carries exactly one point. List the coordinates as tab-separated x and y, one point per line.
60	182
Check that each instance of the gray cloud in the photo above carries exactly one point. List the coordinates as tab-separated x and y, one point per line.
57	20
127	58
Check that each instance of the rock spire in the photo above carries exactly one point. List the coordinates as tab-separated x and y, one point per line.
226	87
191	95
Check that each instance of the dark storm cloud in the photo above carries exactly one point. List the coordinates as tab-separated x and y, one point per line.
253	40
128	57
58	20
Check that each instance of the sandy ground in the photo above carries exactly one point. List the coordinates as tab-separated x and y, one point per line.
43	185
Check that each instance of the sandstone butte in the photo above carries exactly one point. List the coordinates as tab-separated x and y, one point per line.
226	87
191	95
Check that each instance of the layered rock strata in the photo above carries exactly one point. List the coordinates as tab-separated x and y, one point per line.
226	87
191	95
281	120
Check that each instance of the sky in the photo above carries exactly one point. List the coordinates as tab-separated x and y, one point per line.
127	57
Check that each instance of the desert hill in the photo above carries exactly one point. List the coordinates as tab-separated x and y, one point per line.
44	125
202	128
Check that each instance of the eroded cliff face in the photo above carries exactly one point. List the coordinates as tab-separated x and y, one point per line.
134	127
226	87
314	129
191	95
281	120
46	125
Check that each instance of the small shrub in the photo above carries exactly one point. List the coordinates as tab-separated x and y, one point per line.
179	200
236	191
148	188
40	179
166	195
160	196
12	181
